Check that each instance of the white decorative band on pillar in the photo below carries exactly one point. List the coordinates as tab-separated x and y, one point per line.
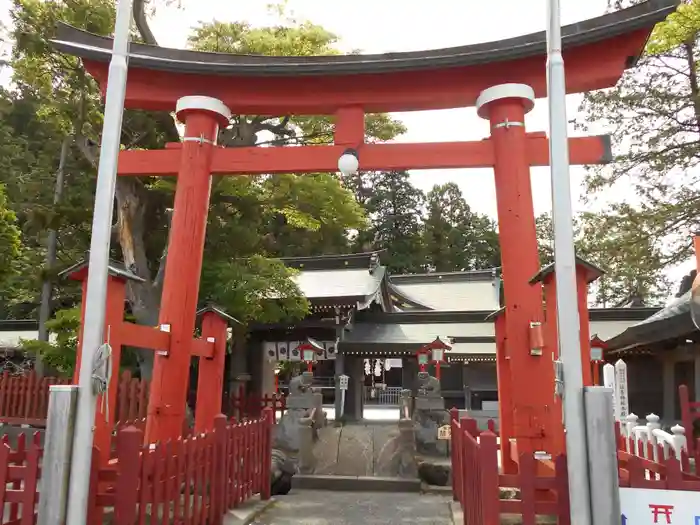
202	103
505	91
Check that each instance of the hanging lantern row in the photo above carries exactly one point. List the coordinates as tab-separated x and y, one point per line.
432	353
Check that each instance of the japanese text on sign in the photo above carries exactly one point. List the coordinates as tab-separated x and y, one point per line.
659	507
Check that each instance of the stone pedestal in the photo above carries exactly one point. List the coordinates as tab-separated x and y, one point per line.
429	414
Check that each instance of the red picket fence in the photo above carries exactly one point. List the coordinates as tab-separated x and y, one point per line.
24	399
194	481
245	406
476	480
690	413
19	480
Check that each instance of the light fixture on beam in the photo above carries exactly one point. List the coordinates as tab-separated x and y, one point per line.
349	162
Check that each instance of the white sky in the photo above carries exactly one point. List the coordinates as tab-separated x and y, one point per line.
376	26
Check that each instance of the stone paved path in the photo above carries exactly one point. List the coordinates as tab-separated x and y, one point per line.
301	507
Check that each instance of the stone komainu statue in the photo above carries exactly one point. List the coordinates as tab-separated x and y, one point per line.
300	385
428	385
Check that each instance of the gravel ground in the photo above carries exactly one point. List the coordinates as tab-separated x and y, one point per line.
302	507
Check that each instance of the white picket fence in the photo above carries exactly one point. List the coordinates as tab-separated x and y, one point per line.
648	439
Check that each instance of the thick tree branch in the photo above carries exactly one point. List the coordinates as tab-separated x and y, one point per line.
141	21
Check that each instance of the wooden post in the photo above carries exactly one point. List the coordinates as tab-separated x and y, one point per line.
505	393
127	486
269	419
488	466
210	381
58	445
166	404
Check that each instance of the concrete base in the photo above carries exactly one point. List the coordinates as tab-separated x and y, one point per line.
356	483
506	519
248	511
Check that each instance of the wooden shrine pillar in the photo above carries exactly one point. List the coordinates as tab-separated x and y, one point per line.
202	117
505	395
210	383
106	412
532	372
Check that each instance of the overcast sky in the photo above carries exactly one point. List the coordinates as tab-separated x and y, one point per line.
376	26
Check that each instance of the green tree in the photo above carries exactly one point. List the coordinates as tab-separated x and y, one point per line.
395	210
631	263
653	115
262	215
456	238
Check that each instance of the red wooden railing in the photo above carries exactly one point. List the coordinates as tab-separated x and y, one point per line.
245	406
477	480
24	399
690	413
194	481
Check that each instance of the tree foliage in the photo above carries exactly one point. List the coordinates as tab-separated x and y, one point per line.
651	193
455	237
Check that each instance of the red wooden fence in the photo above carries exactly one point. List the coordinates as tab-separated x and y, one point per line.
477	480
193	481
244	406
690	413
24	399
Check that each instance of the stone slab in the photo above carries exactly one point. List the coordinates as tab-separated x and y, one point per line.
506	519
247	512
355	483
383	445
356	456
326	450
305	507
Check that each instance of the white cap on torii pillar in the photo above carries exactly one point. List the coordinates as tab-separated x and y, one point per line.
521	92
200	103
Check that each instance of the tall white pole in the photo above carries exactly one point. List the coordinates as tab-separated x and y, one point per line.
96	296
565	271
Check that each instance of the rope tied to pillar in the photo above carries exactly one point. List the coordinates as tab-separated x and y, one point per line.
101	375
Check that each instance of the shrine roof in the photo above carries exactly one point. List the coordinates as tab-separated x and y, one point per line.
592	271
78	271
672	322
603	314
340	280
396	333
218	311
448	291
87	45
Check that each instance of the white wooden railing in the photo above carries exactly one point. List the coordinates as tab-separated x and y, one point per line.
651	436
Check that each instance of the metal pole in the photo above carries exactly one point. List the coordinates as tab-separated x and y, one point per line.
565	272
98	265
602	466
57	454
47	285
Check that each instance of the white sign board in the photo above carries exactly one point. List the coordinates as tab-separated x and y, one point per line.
622	402
343	382
445	432
609	382
659	507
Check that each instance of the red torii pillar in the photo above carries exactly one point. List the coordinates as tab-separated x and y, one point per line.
505	394
210	378
202	117
586	273
531	372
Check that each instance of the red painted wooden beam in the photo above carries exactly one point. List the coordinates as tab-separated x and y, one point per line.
394	156
150	338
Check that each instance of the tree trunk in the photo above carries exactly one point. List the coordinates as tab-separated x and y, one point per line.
144	298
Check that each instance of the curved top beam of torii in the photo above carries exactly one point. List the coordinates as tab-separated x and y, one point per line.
596	52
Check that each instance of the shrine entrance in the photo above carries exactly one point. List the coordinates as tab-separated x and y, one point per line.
501	80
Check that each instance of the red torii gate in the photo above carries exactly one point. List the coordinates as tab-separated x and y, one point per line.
502	79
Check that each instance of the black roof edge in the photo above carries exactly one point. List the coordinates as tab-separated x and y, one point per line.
19	325
446	277
594	272
641	16
335	261
218	311
115	269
